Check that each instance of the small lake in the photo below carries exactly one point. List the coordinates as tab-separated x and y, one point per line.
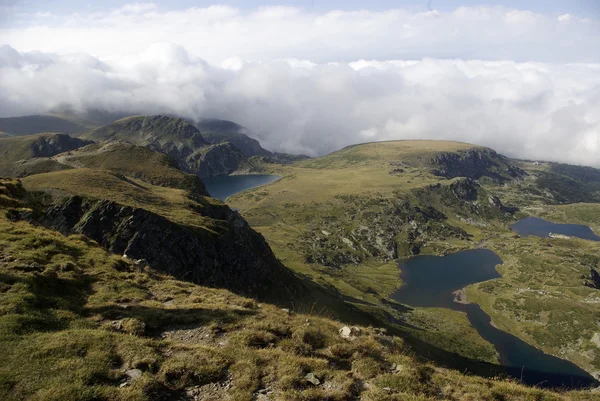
223	186
429	281
543	228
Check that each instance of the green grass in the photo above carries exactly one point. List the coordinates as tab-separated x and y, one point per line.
132	161
174	204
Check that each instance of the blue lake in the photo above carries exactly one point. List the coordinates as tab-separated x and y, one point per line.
223	186
429	281
543	228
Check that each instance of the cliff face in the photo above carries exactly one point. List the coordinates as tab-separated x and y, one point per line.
467	199
237	258
47	146
221	159
475	163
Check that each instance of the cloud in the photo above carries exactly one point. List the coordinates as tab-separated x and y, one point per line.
531	110
217	33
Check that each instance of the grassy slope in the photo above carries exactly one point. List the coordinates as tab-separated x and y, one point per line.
171	203
17	148
74	319
132	161
142	130
309	196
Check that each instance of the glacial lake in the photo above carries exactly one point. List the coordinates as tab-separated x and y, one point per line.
429	281
543	228
223	186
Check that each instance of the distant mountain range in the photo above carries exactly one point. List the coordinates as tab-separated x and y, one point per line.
207	148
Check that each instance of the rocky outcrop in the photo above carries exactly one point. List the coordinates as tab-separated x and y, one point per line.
236	257
465	189
593	280
475	163
466	198
221	159
51	145
380	228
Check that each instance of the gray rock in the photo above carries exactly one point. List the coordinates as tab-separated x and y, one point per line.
238	259
312	379
133	374
350	332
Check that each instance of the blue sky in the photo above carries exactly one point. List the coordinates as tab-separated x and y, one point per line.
580	7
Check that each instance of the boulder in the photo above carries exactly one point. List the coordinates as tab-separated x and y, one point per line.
350	332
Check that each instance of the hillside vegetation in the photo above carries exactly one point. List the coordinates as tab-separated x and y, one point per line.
79	323
14	149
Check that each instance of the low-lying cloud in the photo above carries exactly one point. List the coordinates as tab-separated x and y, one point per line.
542	109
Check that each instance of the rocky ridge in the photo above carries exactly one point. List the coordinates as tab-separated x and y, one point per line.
236	258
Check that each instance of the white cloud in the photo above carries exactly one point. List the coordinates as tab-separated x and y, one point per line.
524	83
220	32
533	110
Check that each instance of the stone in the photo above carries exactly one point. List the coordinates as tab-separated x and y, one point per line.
312	379
349	332
141	263
116	325
133	374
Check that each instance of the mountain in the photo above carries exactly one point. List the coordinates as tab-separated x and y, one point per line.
219	131
25	155
13	149
176	138
35	124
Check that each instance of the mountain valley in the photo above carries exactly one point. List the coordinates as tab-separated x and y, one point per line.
123	279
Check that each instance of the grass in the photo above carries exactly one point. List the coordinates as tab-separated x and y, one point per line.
132	161
75	319
16	148
174	204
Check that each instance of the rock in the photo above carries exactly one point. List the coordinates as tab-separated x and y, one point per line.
349	332
141	263
116	325
593	281
475	163
53	144
238	259
312	379
133	374
465	189
287	311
